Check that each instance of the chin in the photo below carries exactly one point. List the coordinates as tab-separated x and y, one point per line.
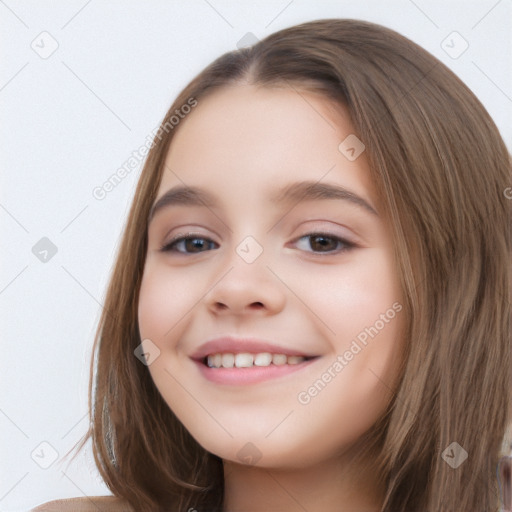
279	453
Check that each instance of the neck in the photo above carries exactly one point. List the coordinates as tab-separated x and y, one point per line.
335	485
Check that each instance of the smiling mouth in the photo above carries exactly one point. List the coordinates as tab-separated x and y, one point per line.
250	360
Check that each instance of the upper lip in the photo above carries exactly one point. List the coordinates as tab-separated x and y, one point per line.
234	345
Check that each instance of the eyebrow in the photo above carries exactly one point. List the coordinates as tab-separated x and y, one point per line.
292	193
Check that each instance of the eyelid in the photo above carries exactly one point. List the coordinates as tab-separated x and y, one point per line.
316	226
185	230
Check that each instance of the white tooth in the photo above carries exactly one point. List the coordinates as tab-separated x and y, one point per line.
210	362
217	360
279	359
243	360
228	360
263	359
295	359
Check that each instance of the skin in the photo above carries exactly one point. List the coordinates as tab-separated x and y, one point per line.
241	144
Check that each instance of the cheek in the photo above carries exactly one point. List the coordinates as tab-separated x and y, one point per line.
362	307
165	298
374	322
353	297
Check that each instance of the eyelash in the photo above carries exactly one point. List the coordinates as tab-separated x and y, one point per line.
171	246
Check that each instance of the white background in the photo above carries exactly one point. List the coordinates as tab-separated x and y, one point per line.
69	121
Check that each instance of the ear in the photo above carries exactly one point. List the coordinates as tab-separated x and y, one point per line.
505	482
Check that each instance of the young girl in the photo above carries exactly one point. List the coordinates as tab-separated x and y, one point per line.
310	308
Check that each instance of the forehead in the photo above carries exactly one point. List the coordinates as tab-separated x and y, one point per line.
251	138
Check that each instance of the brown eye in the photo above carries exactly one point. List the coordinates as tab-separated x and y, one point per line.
323	243
190	245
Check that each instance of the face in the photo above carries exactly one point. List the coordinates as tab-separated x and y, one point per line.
270	296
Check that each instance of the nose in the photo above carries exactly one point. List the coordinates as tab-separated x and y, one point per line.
246	288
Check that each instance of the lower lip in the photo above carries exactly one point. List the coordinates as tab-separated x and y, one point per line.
252	375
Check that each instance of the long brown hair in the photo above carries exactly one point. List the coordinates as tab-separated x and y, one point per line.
442	172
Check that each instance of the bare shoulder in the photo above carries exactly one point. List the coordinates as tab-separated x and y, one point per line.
85	504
